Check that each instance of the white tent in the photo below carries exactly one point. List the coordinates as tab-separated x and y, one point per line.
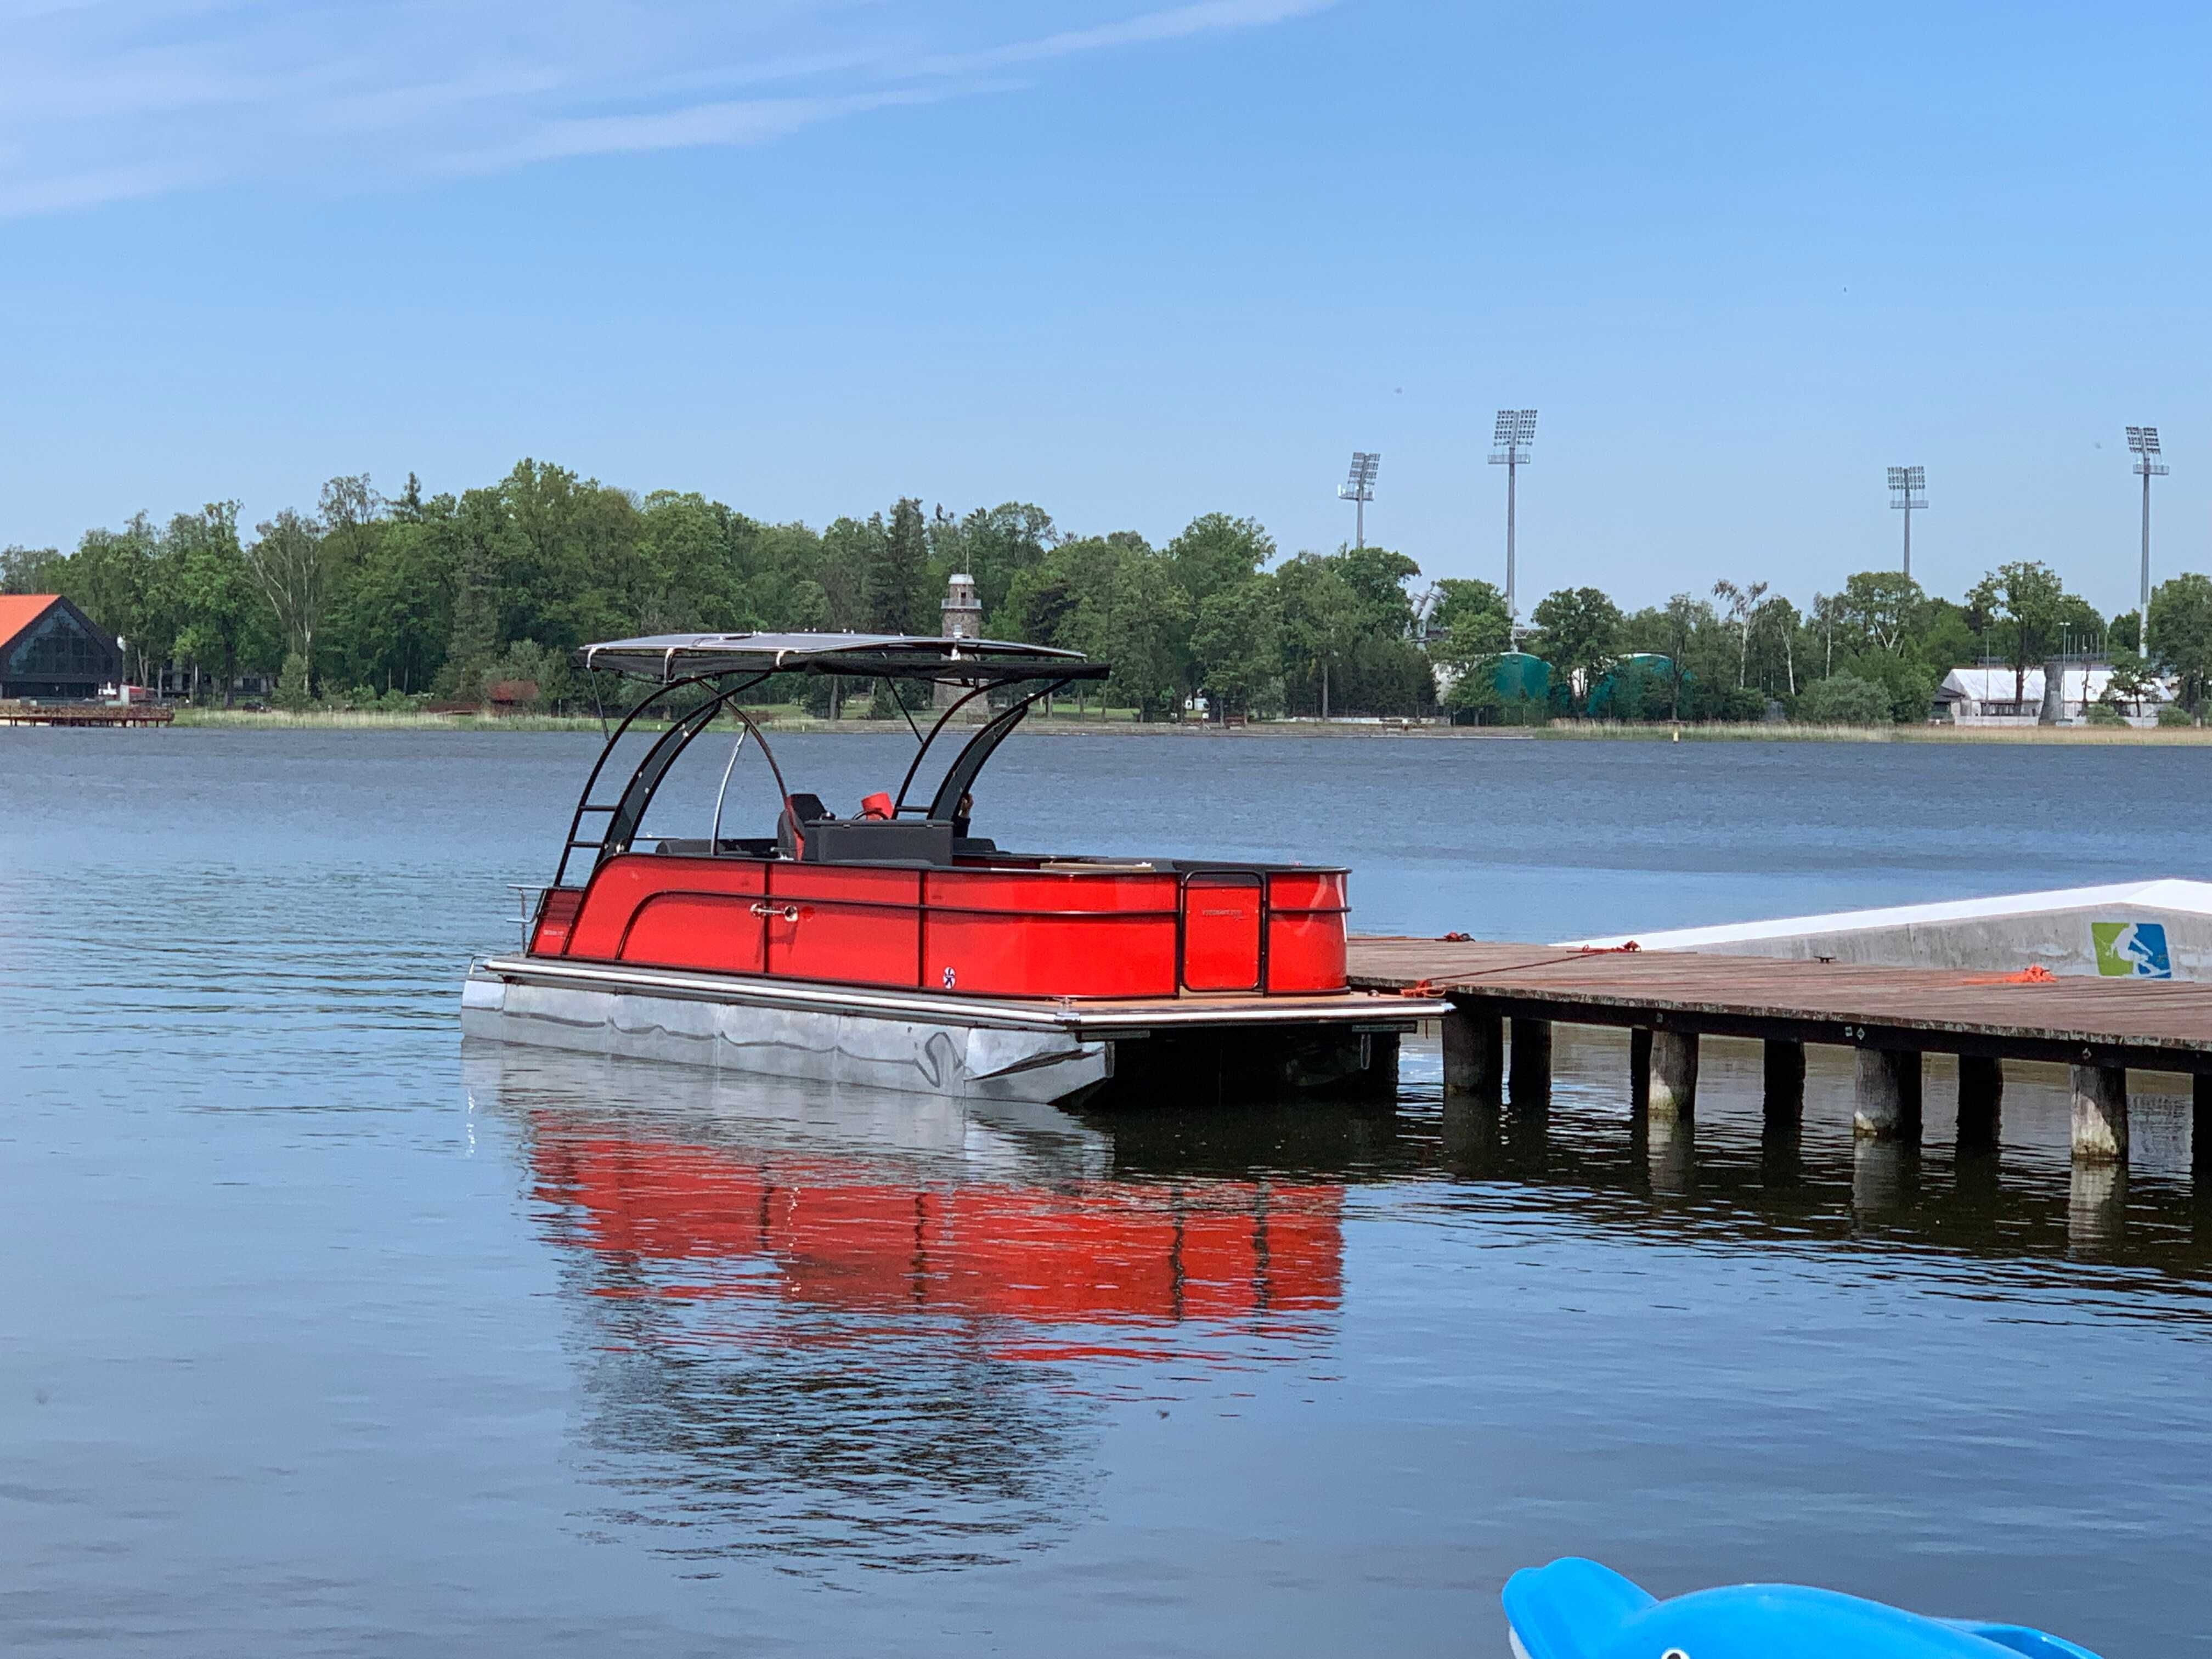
1988	694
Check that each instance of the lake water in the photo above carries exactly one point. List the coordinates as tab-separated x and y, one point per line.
322	1335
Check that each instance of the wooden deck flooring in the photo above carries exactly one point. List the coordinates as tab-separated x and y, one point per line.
2150	1025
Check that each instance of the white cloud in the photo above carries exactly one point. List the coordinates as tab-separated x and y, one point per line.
108	99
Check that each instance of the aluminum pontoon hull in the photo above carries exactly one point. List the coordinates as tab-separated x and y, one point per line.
963	1048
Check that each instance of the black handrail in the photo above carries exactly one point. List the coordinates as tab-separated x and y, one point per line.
622	824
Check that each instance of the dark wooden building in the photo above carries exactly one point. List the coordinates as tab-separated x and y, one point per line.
50	648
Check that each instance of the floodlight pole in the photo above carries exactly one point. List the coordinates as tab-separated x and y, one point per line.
2143	595
1515	428
2143	441
1512	466
1904	484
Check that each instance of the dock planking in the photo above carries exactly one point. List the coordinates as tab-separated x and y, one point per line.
2117	1023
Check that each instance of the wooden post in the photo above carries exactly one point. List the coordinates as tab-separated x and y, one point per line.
2100	1114
1474	1053
1672	1092
2200	1126
1785	1081
1887	1107
1639	1067
1530	1080
1981	1102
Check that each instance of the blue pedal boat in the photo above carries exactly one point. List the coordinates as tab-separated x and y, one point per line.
1577	1609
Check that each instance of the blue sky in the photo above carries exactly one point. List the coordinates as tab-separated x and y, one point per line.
1134	264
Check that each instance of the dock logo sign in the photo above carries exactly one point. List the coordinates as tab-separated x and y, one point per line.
2131	950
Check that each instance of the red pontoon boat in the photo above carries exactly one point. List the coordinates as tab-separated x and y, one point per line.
893	948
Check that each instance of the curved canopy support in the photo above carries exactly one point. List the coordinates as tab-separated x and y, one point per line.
971	759
628	811
915	766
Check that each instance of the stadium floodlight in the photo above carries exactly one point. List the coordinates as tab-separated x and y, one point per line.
1516	431
1358	489
2143	441
1906	485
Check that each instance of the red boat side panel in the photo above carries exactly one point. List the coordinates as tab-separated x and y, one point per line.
1221	932
857	884
712	931
621	884
1013	954
556	914
1305	951
1020	931
1021	890
857	925
1302	889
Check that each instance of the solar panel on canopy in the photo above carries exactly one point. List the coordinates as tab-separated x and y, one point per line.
871	656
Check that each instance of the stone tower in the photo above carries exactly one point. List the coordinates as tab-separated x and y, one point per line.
964	620
963	615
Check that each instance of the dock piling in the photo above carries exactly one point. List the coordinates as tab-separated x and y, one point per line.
1981	1101
1530	1078
1785	1081
2100	1114
1887	1104
2200	1126
1474	1053
1639	1067
1671	1089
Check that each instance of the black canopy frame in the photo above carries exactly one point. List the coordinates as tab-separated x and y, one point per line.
909	659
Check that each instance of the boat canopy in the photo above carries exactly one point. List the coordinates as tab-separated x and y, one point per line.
666	657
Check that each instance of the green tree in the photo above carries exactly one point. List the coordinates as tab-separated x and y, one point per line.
290	563
1320	623
33	569
998	544
1218	550
1468	621
1129	611
119	579
2132	681
1844	699
1880	609
2181	634
2026	601
1234	643
897	581
1745	603
215	590
1578	630
1377	578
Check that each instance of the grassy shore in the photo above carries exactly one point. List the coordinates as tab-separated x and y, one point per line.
1759	731
1119	724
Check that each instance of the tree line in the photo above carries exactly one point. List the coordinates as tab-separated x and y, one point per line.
395	601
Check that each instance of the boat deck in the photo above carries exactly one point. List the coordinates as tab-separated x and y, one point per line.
1084	1017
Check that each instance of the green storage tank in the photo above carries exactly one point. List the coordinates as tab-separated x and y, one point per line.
1518	676
1654	675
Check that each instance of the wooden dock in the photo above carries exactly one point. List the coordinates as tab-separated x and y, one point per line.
98	714
2101	1027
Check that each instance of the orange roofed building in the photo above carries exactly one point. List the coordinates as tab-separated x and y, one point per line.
50	648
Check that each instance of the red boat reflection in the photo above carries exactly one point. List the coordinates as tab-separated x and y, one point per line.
1038	1268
